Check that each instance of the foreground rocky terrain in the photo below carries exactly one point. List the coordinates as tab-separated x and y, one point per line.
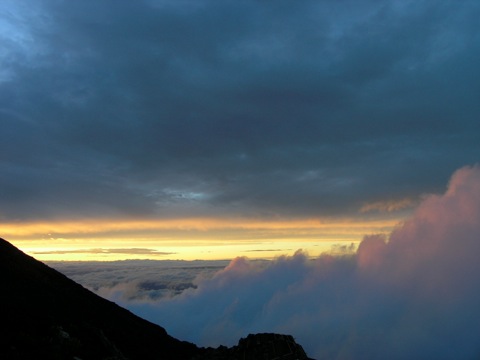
45	315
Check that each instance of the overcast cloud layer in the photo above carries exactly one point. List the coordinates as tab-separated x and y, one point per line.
412	295
258	108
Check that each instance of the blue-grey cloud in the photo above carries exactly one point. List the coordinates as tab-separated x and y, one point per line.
245	107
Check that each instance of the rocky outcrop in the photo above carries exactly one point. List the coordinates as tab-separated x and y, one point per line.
258	347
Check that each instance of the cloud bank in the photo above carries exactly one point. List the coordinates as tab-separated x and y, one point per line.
138	279
411	295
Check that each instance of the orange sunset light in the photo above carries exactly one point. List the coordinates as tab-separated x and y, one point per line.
207	238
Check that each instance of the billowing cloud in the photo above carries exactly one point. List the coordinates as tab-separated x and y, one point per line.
411	295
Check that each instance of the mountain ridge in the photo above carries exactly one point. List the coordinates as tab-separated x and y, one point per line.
46	311
47	315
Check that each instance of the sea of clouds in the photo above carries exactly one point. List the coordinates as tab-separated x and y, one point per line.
414	294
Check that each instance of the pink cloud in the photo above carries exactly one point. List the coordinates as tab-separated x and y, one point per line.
414	294
439	244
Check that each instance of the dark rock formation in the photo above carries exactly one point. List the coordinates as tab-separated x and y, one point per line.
258	347
45	315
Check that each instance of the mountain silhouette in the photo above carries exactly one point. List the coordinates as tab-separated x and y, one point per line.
45	315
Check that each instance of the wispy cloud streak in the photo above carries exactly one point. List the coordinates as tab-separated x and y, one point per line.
141	251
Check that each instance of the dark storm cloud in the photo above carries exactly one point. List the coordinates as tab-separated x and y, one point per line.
158	107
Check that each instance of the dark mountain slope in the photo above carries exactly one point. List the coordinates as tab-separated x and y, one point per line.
45	315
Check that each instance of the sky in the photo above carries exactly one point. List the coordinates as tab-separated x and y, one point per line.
209	129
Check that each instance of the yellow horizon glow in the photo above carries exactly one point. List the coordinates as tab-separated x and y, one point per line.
187	239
